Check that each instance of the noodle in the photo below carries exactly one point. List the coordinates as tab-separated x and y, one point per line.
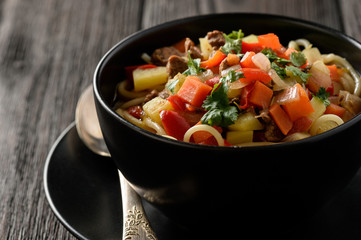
295	44
133	102
129	94
207	128
149	123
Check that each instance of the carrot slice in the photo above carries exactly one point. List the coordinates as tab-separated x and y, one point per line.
269	40
261	95
334	72
194	91
300	107
335	109
246	61
215	60
281	118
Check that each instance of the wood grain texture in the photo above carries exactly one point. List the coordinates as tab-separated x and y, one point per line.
48	53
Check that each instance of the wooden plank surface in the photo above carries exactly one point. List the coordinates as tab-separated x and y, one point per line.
48	53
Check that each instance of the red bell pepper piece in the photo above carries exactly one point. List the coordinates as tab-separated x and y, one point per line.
254	74
177	103
174	124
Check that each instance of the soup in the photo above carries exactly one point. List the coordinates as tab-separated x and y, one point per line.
237	90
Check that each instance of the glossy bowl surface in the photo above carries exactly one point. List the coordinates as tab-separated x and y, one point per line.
275	185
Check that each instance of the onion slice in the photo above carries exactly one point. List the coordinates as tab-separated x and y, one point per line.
279	83
262	62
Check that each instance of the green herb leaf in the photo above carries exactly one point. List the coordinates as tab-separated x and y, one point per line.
272	56
194	66
323	96
279	70
220	113
233	42
298	59
298	72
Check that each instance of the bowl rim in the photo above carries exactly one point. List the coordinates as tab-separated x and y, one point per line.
138	34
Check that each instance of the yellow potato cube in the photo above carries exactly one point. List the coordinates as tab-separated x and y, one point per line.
239	137
246	122
154	106
149	77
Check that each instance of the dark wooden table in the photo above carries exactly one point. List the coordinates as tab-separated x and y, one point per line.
48	53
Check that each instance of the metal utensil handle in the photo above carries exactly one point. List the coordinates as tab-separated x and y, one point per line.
135	222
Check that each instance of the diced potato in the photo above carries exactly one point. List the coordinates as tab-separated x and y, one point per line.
234	92
238	137
205	47
149	77
319	108
154	106
250	39
246	122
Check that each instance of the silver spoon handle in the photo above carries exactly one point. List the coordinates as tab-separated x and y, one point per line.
135	222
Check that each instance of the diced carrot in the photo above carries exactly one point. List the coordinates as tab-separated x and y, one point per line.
232	59
204	136
215	60
269	40
335	109
281	118
334	72
300	107
180	45
246	61
260	95
254	74
301	125
194	91
288	52
254	47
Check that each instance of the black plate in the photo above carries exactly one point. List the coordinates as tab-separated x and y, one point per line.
83	191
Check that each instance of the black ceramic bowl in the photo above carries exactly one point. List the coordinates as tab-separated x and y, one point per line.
204	185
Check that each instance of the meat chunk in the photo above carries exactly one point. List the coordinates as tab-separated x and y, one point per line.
273	133
160	56
190	47
216	39
176	65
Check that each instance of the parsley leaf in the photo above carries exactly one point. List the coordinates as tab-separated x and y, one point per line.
297	72
279	70
323	96
194	66
220	113
272	56
298	59
233	42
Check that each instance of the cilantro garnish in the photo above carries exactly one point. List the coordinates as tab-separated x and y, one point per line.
220	113
233	42
272	56
298	59
323	96
194	66
279	70
298	72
